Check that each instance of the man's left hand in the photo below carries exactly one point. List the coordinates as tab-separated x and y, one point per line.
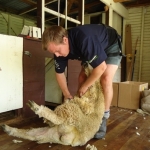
82	91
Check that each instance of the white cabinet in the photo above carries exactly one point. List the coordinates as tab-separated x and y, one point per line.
11	76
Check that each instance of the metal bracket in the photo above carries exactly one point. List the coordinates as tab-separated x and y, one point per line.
28	53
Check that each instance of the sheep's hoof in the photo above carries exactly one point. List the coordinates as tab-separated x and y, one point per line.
5	128
33	105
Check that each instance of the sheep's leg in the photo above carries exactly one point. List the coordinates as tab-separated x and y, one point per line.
45	112
30	134
55	134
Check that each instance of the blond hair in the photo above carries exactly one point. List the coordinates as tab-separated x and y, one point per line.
53	34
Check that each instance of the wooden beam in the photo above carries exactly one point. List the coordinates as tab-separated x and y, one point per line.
76	10
61	15
39	14
7	9
138	3
80	15
70	2
128	49
117	7
120	1
50	18
34	7
87	6
29	2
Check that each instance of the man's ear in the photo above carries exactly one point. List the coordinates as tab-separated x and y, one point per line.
65	40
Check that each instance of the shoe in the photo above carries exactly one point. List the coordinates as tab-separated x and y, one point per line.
102	130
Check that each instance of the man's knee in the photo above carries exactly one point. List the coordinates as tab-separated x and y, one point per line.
106	81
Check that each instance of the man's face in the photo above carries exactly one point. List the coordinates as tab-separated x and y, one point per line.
59	49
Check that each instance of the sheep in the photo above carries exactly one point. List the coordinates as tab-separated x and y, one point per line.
73	123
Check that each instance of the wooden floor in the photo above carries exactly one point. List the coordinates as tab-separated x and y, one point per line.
127	130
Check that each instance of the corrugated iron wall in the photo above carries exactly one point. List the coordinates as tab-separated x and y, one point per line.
145	69
139	18
12	24
135	18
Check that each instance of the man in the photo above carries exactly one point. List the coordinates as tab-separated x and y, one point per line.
98	45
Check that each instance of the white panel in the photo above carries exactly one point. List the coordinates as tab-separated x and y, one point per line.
11	78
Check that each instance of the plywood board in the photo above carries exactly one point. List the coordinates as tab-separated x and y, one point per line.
11	78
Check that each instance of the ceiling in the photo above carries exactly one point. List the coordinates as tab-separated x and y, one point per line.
28	8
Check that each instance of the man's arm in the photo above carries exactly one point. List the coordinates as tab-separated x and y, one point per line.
61	79
95	75
82	77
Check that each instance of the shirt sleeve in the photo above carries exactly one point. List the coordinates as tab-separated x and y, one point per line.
93	51
60	64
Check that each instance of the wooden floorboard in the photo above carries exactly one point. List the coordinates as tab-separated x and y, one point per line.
127	130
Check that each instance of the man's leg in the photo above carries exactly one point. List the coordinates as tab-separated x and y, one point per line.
106	82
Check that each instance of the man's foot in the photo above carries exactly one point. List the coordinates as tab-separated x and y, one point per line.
102	130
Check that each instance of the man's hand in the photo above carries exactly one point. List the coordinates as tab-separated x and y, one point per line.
61	79
82	90
82	78
95	75
68	97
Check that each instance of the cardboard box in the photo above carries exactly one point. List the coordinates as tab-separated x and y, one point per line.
115	94
130	94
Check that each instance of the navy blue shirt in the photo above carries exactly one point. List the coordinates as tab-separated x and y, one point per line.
87	43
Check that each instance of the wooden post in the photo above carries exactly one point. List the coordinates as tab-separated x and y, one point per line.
80	10
39	14
128	50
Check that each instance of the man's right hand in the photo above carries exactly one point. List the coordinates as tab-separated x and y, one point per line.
68	97
61	79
